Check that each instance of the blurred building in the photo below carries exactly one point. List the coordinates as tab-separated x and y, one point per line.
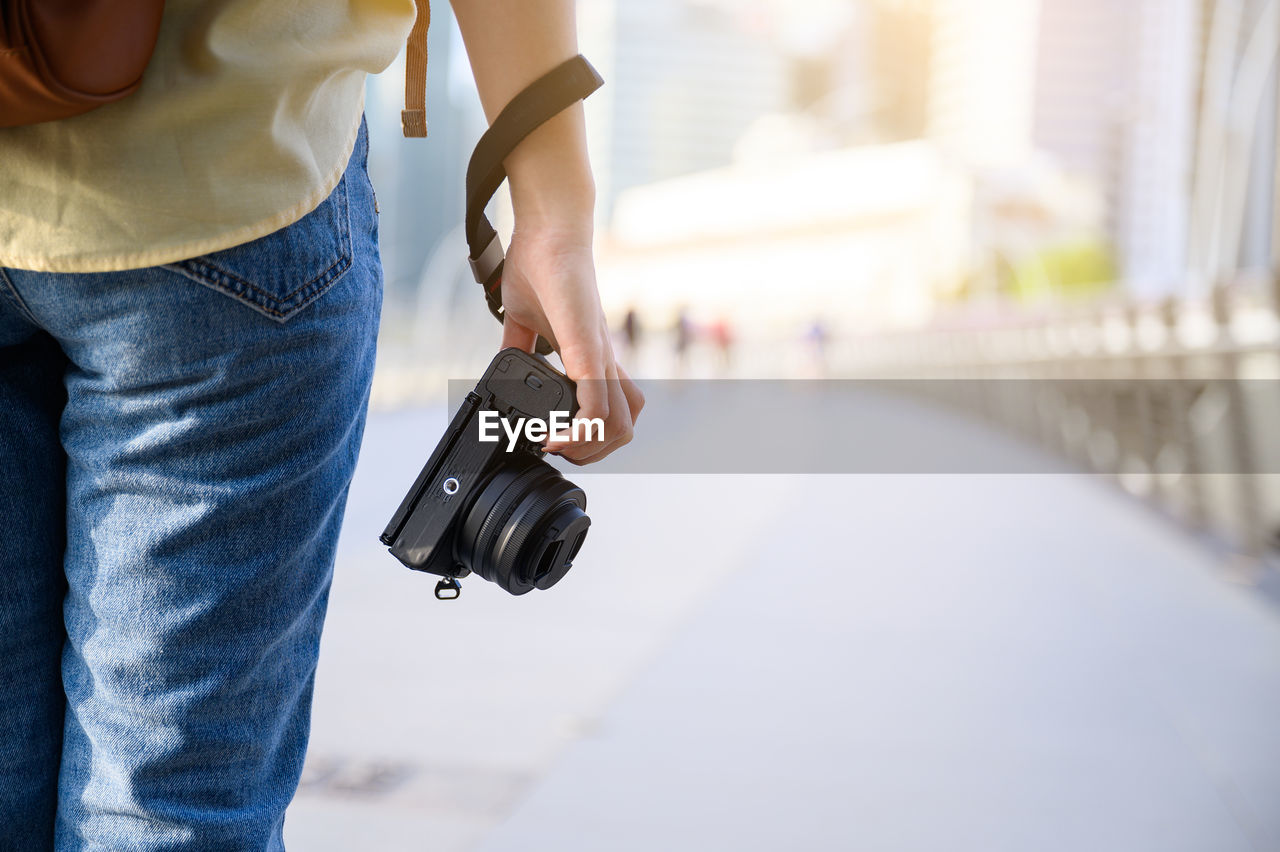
1235	192
1037	229
900	35
684	82
1114	89
870	83
982	80
1167	107
1147	127
863	235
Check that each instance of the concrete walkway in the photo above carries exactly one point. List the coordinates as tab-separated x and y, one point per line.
800	663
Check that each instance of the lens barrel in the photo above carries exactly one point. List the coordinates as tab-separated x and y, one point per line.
525	527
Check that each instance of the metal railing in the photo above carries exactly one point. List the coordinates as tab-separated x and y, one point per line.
1178	402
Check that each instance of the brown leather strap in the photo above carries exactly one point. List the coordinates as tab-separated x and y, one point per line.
413	120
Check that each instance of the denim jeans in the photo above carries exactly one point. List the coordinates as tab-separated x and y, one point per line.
175	449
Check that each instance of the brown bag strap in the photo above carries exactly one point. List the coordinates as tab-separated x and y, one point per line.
413	120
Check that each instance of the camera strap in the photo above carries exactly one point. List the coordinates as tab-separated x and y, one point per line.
553	92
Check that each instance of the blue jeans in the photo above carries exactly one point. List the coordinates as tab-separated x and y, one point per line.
175	449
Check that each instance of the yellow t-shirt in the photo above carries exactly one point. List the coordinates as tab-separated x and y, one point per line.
243	124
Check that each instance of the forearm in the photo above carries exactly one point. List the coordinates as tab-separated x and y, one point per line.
548	275
510	44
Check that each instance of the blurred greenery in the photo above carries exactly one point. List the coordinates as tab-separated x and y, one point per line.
1067	270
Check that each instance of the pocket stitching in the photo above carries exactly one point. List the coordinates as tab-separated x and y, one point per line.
228	282
12	295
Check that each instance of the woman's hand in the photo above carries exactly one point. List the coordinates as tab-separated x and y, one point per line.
549	277
549	288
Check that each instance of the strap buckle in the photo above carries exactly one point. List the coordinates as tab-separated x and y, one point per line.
493	298
448	589
487	263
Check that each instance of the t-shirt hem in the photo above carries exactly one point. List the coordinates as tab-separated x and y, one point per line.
195	248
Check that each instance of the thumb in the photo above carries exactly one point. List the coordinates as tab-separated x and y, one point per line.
514	334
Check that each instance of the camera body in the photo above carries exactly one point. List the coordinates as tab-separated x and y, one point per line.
495	508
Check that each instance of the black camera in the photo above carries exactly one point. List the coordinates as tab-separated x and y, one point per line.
495	507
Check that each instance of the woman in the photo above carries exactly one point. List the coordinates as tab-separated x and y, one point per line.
189	297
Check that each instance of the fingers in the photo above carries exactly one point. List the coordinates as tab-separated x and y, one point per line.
516	335
589	363
593	397
601	391
631	391
625	403
549	284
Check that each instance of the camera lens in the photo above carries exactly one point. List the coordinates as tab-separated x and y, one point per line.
525	527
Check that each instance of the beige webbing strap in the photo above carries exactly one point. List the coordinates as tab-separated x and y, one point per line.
413	120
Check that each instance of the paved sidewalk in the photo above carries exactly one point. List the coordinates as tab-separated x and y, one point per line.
432	719
1062	674
778	663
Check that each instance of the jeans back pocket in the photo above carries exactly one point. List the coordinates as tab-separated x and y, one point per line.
286	270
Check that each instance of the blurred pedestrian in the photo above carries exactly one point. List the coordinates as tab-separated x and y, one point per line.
632	333
815	341
682	338
721	334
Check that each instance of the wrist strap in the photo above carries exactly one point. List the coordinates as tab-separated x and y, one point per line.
553	92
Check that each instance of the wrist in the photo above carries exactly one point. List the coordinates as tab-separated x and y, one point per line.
562	206
550	174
